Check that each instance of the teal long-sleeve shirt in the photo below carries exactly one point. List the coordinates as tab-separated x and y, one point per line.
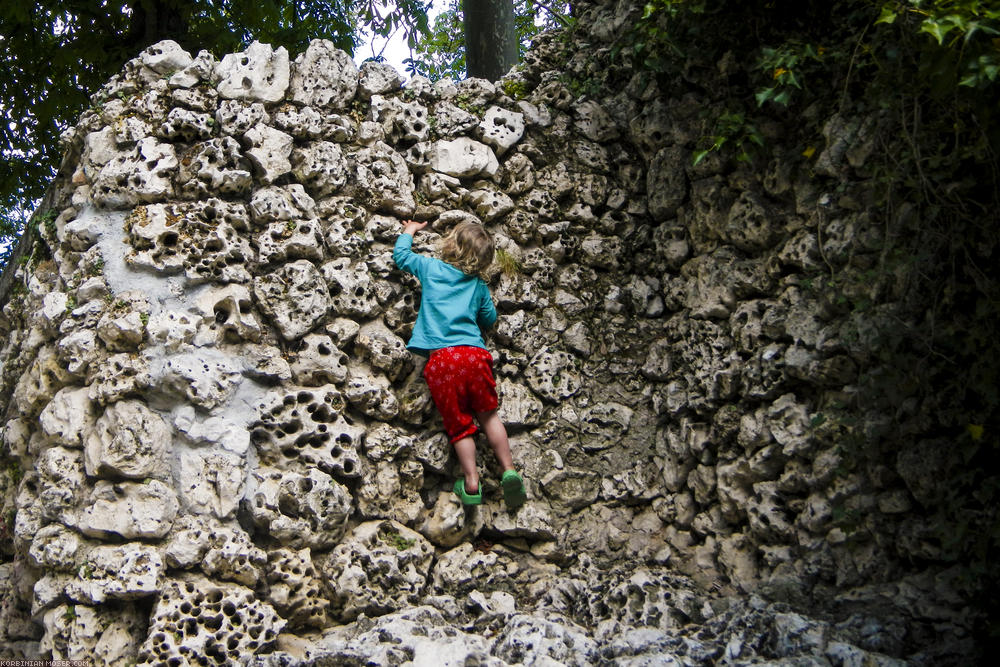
454	306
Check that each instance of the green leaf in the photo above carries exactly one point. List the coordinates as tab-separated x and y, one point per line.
763	96
935	29
699	156
888	14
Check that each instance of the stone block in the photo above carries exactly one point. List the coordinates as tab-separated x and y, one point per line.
259	74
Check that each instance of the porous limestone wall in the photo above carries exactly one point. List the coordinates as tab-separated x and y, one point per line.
217	443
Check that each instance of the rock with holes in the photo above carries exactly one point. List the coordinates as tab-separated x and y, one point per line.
61	486
102	635
259	74
123	572
214	168
318	361
122	327
448	524
768	513
291	240
749	225
306	428
211	482
128	509
381	179
666	182
172	329
228	313
68	416
79	350
385	350
410	122
352	292
594	122
295	297
201	98
323	76
280	204
384	442
556	640
236	118
270	152
501	128
789	424
185	125
195	618
144	174
165	56
415	402
129	440
380	567
56	547
377	78
465	568
203	239
391	490
308	123
552	375
119	376
399	121
462	158
320	167
344	240
452	121
203	377
604	425
489	203
231	555
372	395
36	387
295	589
416	635
307	509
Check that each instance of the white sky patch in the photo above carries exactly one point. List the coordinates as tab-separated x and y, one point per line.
394	49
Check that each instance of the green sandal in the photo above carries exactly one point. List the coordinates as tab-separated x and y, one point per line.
513	489
467	498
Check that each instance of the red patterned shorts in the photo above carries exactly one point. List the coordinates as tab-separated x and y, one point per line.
461	382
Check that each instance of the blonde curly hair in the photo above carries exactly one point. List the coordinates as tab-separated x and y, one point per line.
468	247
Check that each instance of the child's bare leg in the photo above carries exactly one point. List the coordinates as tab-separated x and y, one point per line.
466	451
495	432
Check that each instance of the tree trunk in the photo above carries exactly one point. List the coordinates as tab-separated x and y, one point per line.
156	20
490	40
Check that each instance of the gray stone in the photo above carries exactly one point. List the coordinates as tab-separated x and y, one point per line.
294	297
382	566
129	440
323	76
232	622
299	509
129	510
258	74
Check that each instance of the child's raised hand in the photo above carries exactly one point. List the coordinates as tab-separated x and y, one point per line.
412	226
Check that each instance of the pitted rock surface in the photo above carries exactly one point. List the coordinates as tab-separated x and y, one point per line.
208	405
196	621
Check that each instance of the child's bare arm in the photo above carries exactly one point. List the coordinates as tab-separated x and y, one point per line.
411	227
